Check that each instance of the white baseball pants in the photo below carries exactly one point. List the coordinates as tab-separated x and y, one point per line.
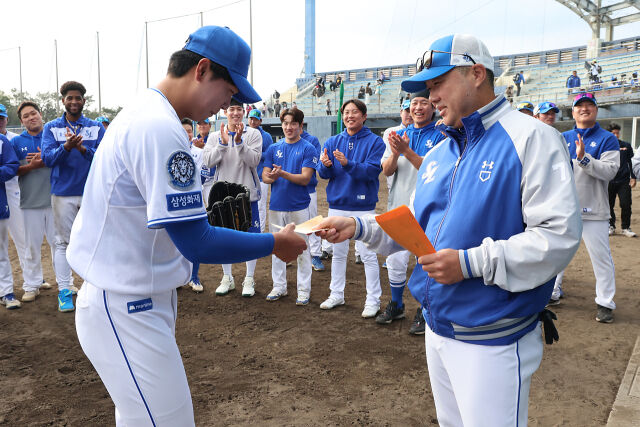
596	238
206	189
16	219
397	264
315	242
262	205
65	209
40	225
135	353
279	267
6	276
482	385
339	264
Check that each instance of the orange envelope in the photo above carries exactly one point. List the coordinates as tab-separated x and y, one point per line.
403	228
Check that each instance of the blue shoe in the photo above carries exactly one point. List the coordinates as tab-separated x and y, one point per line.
65	301
10	301
317	264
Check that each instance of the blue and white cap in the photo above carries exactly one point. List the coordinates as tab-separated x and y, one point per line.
456	50
3	111
406	104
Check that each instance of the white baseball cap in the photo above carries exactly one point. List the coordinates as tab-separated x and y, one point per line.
456	50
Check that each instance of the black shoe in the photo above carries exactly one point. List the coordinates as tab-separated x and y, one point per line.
604	315
391	313
358	260
417	327
553	302
325	255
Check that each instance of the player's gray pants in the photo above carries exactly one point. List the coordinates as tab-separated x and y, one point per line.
315	242
40	224
65	209
596	238
279	267
397	266
339	264
16	220
6	277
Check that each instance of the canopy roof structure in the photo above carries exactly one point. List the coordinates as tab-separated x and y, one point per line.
609	16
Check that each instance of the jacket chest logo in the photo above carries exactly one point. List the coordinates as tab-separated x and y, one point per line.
350	145
429	143
429	175
279	154
485	172
593	143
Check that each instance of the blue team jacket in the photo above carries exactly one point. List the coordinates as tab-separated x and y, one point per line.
69	169
8	169
353	187
423	139
311	188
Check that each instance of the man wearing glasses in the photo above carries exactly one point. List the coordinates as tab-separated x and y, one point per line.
595	154
497	200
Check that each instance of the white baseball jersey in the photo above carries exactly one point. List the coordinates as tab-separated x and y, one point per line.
142	177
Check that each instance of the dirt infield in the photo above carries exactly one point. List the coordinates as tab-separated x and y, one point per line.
250	361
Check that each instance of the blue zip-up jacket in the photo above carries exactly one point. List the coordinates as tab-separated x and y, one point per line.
353	187
311	188
8	169
69	169
423	139
502	194
573	81
267	140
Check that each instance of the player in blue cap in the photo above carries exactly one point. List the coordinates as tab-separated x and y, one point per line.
104	120
143	222
498	202
546	112
525	108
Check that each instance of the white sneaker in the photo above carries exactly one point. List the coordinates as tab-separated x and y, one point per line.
248	287
627	232
226	285
612	231
370	310
29	296
74	290
276	294
46	285
196	286
331	302
303	298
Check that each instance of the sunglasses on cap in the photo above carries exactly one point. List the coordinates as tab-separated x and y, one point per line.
525	105
580	96
425	61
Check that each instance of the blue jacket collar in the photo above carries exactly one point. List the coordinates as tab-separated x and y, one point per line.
360	134
590	131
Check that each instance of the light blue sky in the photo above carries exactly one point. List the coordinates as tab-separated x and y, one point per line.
349	34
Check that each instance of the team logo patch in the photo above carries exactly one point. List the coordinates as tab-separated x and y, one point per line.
182	170
593	143
350	145
140	305
485	172
429	143
279	154
428	176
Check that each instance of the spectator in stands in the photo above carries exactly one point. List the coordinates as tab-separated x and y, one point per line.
621	186
276	95
634	79
381	78
594	72
361	93
263	109
509	94
284	105
518	79
328	107
276	108
573	81
546	112
367	93
526	108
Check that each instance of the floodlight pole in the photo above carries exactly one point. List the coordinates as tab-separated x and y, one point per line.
55	45
99	89
146	50
251	42
20	62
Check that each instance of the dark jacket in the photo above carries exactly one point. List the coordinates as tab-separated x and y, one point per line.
626	171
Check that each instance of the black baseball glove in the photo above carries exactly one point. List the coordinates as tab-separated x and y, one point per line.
229	206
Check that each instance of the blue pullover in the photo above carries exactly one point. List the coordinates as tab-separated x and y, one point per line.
311	188
8	169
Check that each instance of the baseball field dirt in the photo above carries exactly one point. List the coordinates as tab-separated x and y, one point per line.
253	362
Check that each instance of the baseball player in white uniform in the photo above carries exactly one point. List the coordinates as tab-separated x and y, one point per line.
133	239
235	152
8	168
498	202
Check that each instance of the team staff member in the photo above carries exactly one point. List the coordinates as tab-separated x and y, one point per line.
255	120
526	108
351	163
315	243
289	165
503	217
35	197
595	155
235	152
68	146
143	221
546	112
401	161
621	186
8	168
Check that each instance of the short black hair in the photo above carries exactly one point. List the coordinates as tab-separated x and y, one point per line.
187	122
613	126
28	104
295	113
72	85
359	105
183	60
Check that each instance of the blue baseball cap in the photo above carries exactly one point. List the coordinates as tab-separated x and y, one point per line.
545	107
525	105
456	50
207	121
255	113
103	119
224	47
3	111
406	104
584	95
